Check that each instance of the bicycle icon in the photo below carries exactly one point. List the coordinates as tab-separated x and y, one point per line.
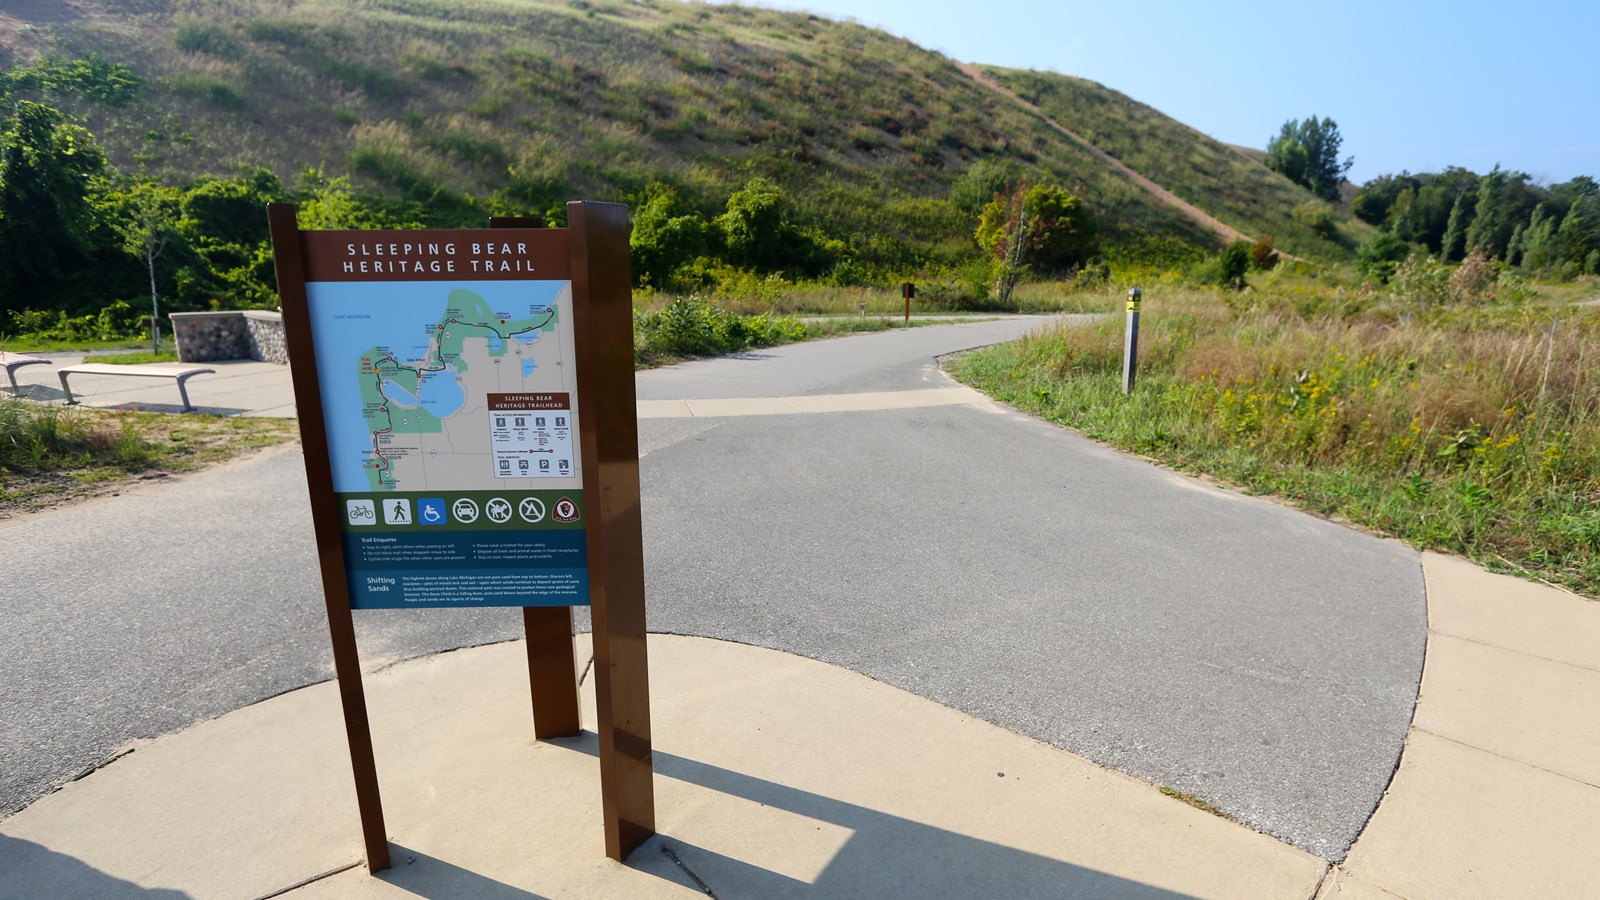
361	512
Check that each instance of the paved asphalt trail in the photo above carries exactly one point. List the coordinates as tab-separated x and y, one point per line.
1262	659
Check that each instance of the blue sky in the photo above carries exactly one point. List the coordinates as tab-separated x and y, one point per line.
1413	85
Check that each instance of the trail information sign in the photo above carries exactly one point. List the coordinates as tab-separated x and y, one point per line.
466	406
445	365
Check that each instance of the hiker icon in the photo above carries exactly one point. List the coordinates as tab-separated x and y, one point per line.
396	512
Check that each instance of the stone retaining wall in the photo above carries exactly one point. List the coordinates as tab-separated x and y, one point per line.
265	331
234	334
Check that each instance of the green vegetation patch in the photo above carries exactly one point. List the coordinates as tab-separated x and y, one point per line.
136	358
1472	429
50	454
105	82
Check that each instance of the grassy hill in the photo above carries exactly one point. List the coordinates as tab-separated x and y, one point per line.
532	103
1228	183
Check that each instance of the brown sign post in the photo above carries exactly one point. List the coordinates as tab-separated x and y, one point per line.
554	544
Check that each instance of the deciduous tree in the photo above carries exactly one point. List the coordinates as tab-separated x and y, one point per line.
1039	227
1307	153
46	167
150	218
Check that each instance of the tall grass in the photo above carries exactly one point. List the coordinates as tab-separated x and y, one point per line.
50	453
1472	430
36	438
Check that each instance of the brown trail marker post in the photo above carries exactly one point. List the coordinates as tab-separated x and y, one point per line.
909	292
398	343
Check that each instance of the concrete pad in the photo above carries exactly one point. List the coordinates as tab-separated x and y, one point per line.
809	403
663	409
1460	823
1533	710
237	807
1467	602
742	406
1341	885
801	779
877	400
1496	792
776	776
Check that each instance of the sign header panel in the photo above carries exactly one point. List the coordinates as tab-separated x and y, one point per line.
498	254
446	366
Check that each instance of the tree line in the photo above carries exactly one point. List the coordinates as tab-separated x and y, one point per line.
1552	231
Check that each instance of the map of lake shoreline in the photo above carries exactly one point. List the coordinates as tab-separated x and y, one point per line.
409	370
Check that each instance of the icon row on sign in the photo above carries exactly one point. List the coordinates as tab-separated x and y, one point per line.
433	511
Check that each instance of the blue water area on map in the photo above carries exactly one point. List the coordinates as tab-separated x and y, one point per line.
441	393
350	318
494	341
528	365
527	337
399	395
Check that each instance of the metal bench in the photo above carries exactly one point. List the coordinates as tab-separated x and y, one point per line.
15	361
180	374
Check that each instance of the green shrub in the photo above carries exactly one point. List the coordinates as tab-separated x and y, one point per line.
1095	273
691	326
1379	255
110	83
979	184
1316	216
1420	281
1228	268
206	37
286	33
217	91
667	237
117	321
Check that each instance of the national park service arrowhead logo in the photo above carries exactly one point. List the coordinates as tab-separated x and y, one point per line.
565	510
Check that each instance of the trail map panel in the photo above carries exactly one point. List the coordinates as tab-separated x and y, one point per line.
446	367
